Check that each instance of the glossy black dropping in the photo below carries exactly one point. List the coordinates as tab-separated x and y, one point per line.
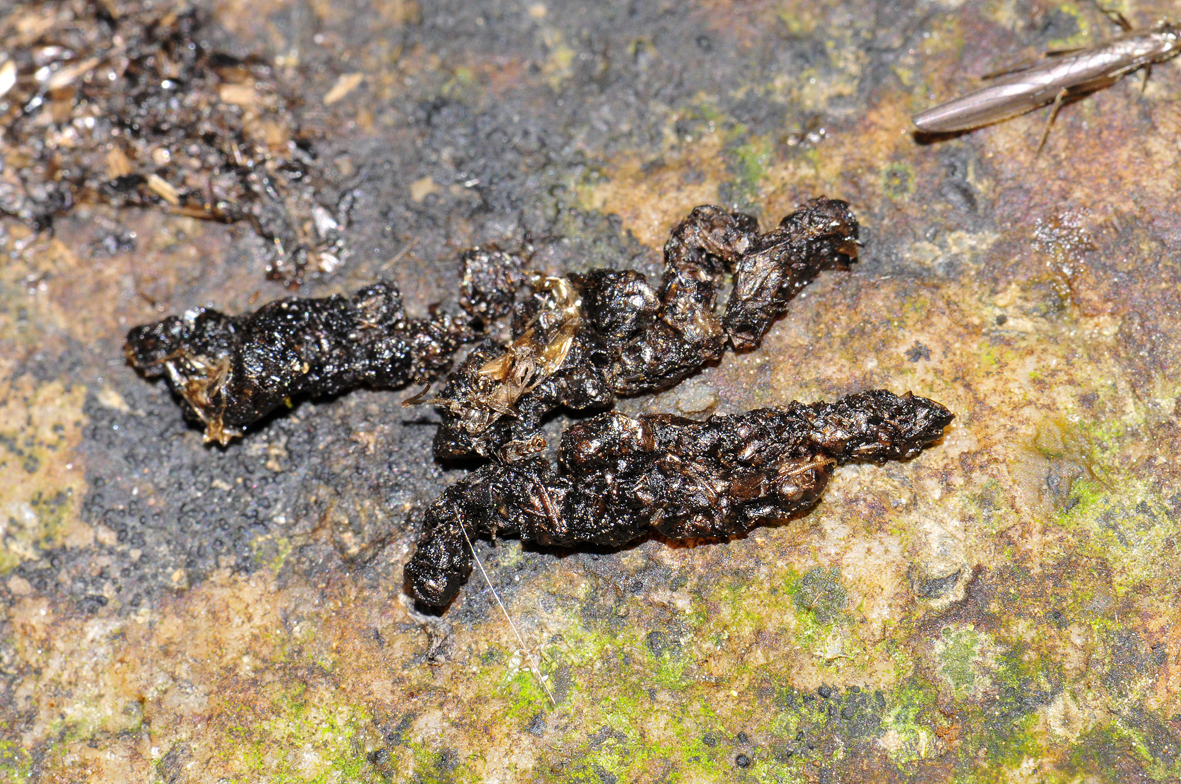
230	371
613	333
619	478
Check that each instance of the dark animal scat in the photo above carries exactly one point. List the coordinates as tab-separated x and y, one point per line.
576	342
231	371
580	341
619	478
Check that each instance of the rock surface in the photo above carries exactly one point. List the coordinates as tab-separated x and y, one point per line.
1001	608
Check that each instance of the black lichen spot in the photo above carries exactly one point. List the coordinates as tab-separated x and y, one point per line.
1057	25
605	776
397	735
927	587
383	763
956	188
92	603
537	725
172	765
447	761
820	592
918	352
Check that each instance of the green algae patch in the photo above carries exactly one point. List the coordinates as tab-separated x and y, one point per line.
907	732
622	735
1139	741
16	764
737	707
526	684
427	764
822	622
1128	525
820	593
601	676
671	671
964	660
1000	713
271	550
1084	33
898	181
991	754
1106	749
751	160
299	738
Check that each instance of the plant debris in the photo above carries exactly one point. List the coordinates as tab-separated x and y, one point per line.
581	340
125	103
619	478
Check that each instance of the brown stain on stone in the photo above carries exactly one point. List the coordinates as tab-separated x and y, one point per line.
651	195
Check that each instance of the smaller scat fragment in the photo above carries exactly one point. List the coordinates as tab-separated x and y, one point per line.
230	371
145	112
41	475
619	478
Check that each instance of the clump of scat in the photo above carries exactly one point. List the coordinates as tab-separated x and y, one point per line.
580	341
575	342
232	371
123	103
619	478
